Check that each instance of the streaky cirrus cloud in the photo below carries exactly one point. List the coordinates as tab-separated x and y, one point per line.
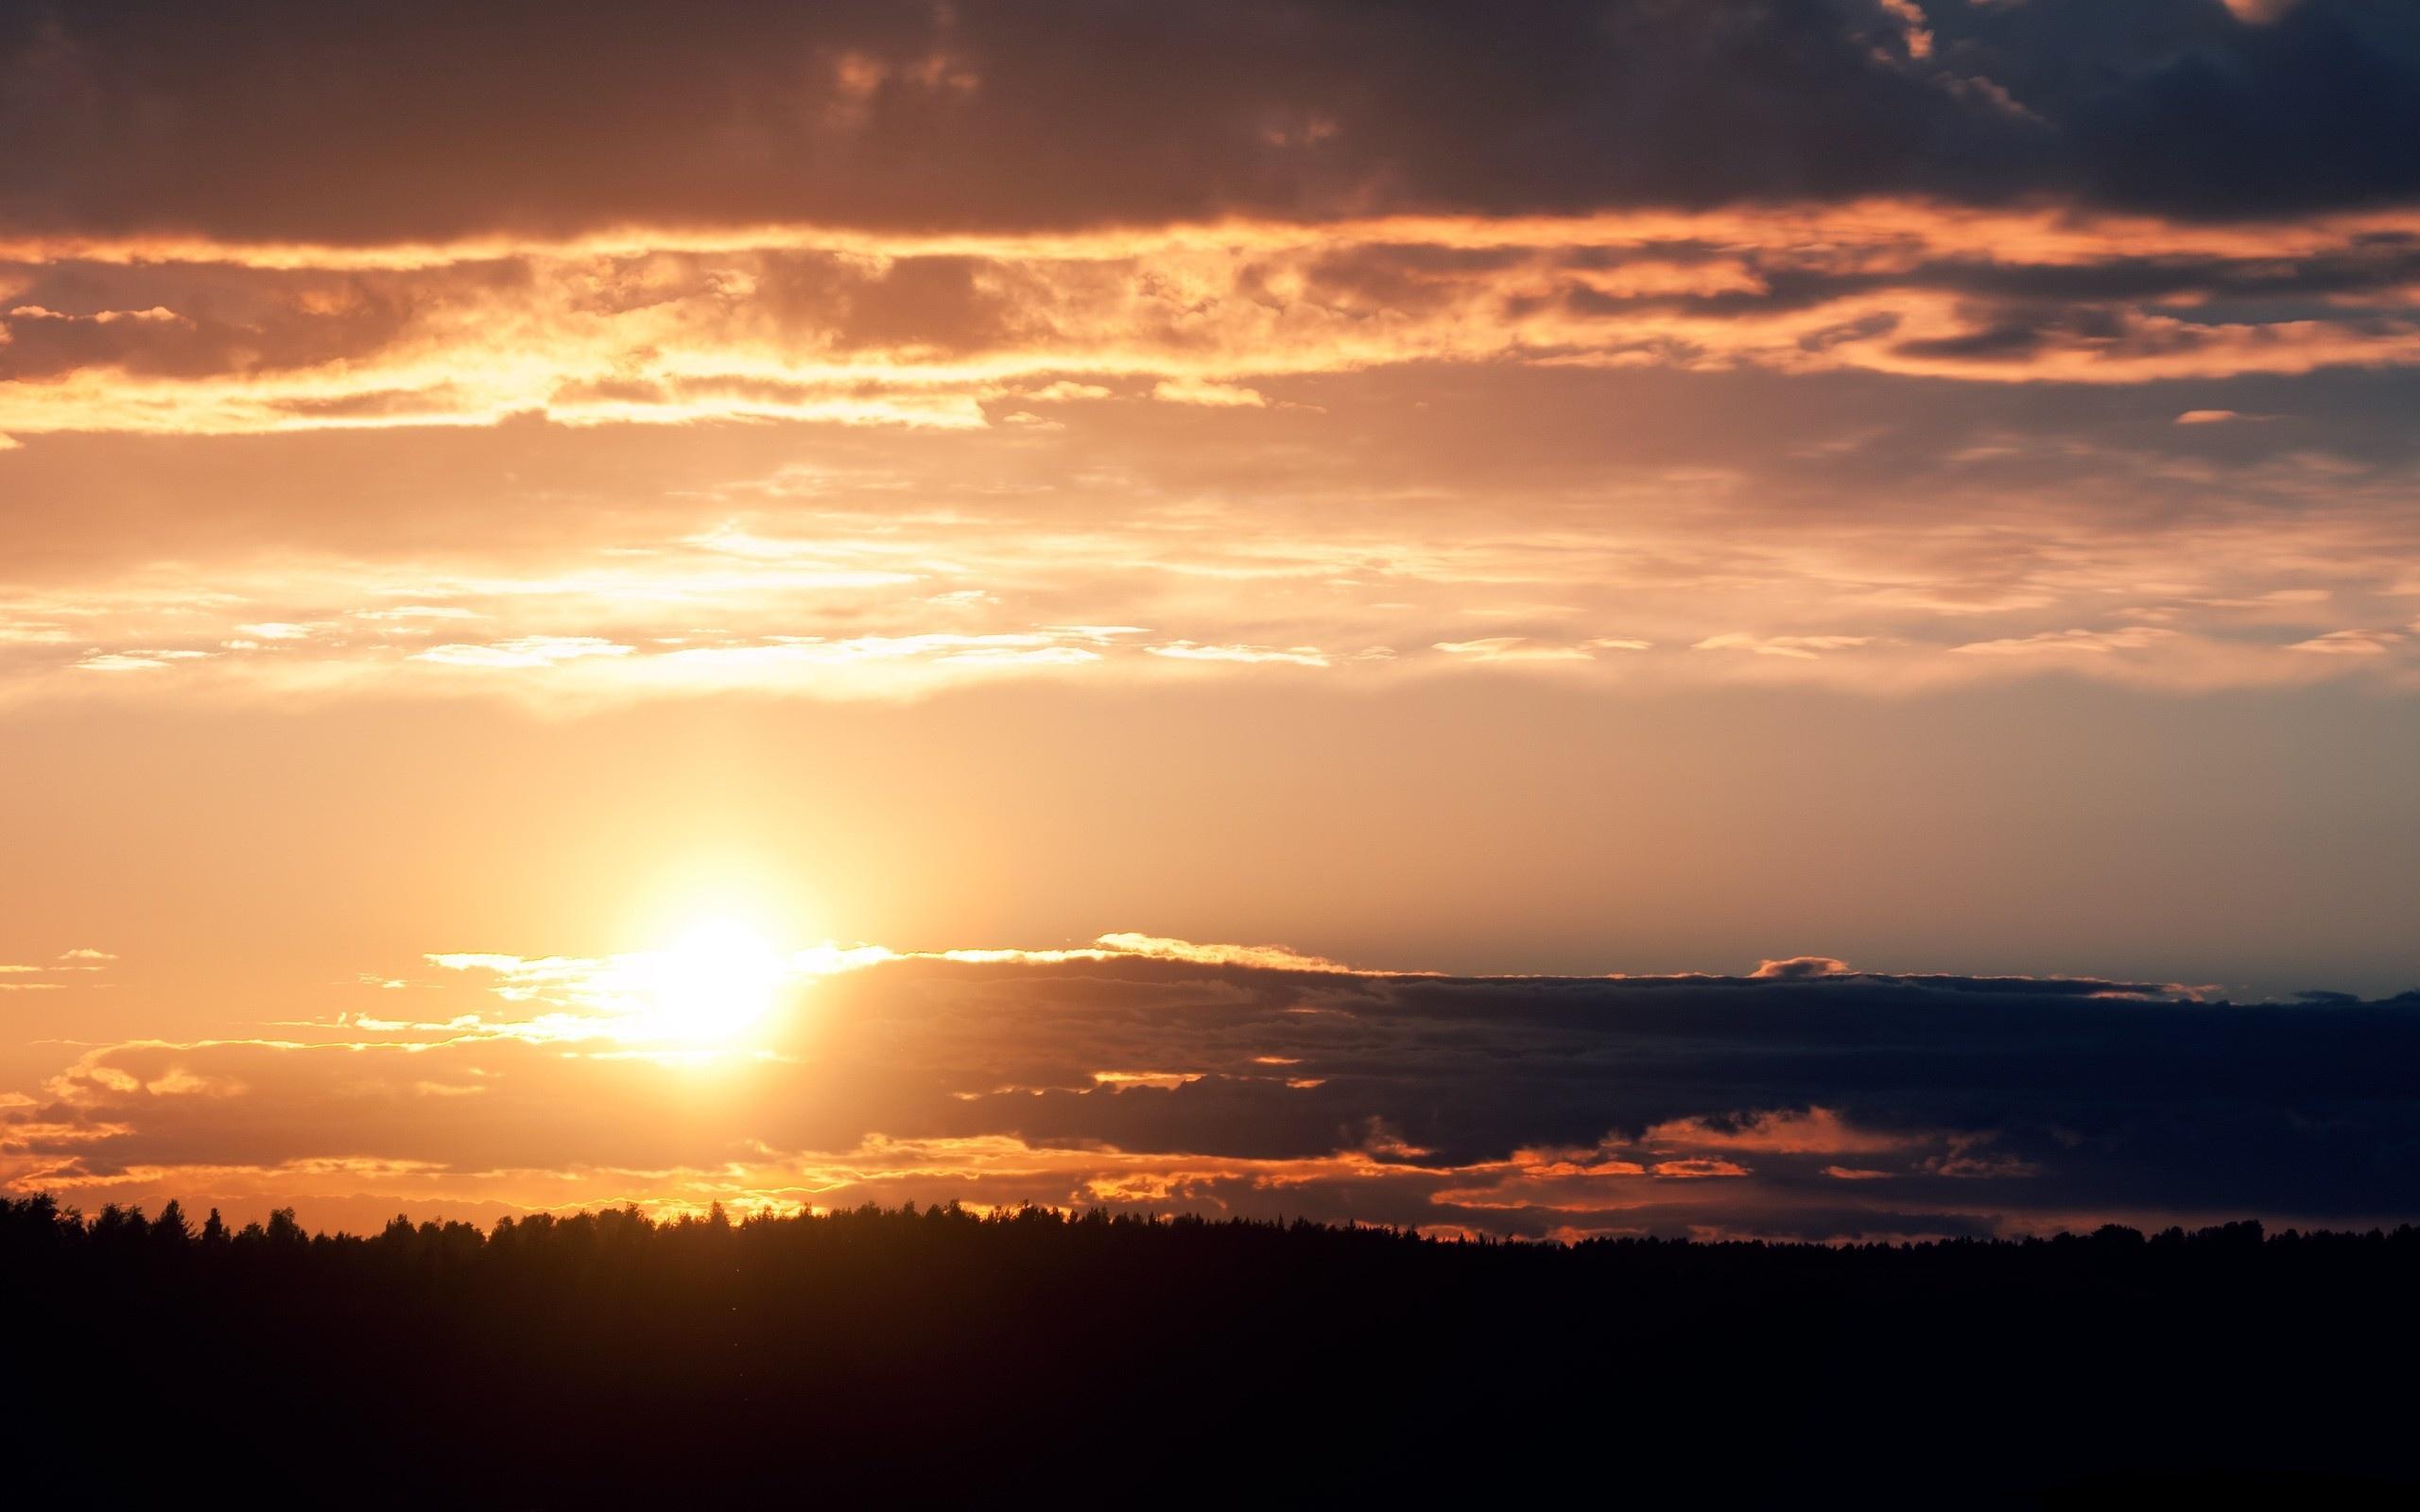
68	969
1371	527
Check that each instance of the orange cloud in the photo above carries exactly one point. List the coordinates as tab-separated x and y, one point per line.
924	331
1815	1131
1386	555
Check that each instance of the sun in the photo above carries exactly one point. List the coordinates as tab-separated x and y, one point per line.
716	981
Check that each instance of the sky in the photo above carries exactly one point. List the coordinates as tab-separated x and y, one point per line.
1798	619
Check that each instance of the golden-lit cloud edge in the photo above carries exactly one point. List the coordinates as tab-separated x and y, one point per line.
800	324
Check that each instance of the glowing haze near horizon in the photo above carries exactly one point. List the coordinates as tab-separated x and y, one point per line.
600	605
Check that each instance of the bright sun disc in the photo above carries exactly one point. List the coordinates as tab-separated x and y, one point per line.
716	981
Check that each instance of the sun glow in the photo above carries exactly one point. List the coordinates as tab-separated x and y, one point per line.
716	981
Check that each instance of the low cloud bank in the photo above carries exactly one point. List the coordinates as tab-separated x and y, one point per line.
1810	1100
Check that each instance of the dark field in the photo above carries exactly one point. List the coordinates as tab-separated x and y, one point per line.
933	1357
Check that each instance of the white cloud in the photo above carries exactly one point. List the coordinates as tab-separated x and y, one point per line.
1305	655
525	651
1204	391
1512	648
1802	647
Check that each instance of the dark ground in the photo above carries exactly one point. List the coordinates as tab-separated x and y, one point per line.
935	1357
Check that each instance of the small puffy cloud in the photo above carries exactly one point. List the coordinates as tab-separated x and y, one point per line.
1204	391
1062	391
1914	33
1801	968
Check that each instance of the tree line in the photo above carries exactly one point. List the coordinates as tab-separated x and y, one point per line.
911	1353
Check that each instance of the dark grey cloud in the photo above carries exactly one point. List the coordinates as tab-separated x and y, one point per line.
1829	1105
2059	1095
286	119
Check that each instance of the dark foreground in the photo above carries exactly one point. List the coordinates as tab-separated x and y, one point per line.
935	1357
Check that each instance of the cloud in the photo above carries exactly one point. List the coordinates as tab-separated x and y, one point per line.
1164	1074
1512	648
13	975
1264	957
1735	502
2088	642
122	118
1301	656
1960	544
1802	647
2350	643
1799	968
526	651
1200	391
1193	353
924	333
1697	1168
1916	36
26	977
1814	1131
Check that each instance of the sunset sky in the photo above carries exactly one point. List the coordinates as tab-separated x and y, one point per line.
795	604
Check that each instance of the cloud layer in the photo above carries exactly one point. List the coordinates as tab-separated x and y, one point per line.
1832	530
1438	421
1808	1099
289	123
1875	345
936	330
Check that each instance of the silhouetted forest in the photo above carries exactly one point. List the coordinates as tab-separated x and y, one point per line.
941	1356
